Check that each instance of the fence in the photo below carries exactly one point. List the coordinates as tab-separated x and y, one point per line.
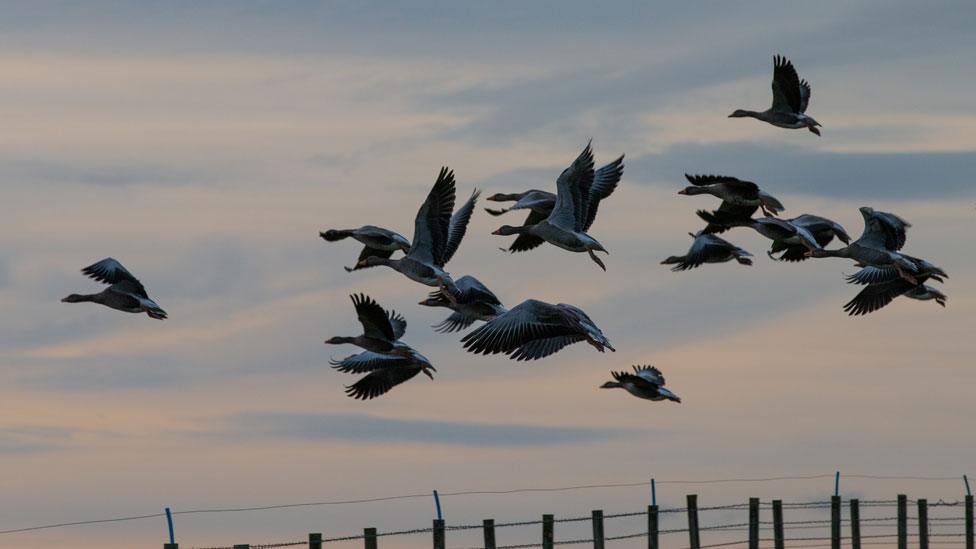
929	527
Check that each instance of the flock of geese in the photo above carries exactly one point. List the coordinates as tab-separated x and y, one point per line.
535	329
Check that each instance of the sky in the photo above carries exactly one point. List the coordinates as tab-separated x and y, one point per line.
205	145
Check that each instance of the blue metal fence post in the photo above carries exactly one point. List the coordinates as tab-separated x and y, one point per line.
169	524
653	493
437	504
966	480
837	483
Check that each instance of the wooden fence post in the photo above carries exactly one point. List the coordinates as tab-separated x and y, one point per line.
834	522
315	541
242	546
923	524
778	538
855	524
694	539
547	534
753	523
902	521
171	546
439	539
652	528
489	526
969	523
598	540
369	538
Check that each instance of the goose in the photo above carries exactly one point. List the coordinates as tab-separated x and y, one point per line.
790	99
883	284
125	292
533	199
382	329
793	237
823	231
884	234
646	382
535	329
708	248
377	241
740	199
436	237
473	302
384	372
579	192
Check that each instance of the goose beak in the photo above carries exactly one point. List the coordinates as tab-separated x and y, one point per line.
683	191
496	231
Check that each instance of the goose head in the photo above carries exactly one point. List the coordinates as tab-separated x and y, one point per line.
741	113
506	230
339	340
76	298
692	190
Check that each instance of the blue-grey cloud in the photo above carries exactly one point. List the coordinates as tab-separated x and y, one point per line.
33	439
365	428
110	175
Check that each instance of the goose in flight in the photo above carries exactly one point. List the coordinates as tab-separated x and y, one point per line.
534	329
740	199
790	99
377	241
579	192
708	248
646	382
125	292
884	234
538	201
473	302
382	329
436	236
883	284
384	372
822	229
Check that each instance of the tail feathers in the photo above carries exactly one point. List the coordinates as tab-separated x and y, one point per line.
332	235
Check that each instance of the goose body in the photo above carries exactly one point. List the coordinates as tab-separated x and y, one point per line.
473	301
535	329
883	284
708	248
821	229
884	234
740	199
382	330
125	292
791	96
377	242
384	372
646	382
579	192
540	202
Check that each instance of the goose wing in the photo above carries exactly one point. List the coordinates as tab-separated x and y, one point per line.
727	215
649	374
873	275
453	323
472	290
381	380
786	86
377	323
432	225
705	247
876	296
526	242
883	230
366	361
573	187
604	183
745	189
110	271
526	322
457	228
541	348
804	95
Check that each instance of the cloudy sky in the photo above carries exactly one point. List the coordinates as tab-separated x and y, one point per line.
205	145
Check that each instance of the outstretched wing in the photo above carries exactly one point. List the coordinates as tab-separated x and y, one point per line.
366	361
604	183
572	188
649	374
541	348
112	272
745	189
380	381
457	228
376	322
876	296
526	322
786	86
804	95
873	275
431	227
453	323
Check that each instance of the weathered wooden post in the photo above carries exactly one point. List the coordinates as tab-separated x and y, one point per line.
753	523
969	523
923	524
439	539
314	540
834	522
694	539
242	546
548	537
855	524
902	521
598	540
171	546
652	528
489	527
369	538
779	541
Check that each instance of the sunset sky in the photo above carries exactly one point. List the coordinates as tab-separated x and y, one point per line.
204	145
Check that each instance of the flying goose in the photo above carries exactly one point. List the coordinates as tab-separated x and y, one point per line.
740	199
793	237
708	248
822	229
436	236
472	302
535	329
125	292
579	192
377	241
533	199
884	284
384	371
884	234
382	330
790	99
646	382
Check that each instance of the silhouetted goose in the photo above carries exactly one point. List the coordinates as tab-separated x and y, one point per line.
378	242
884	234
125	292
580	191
538	201
884	284
381	329
790	99
823	231
436	236
384	371
740	199
646	382
708	248
534	329
473	301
